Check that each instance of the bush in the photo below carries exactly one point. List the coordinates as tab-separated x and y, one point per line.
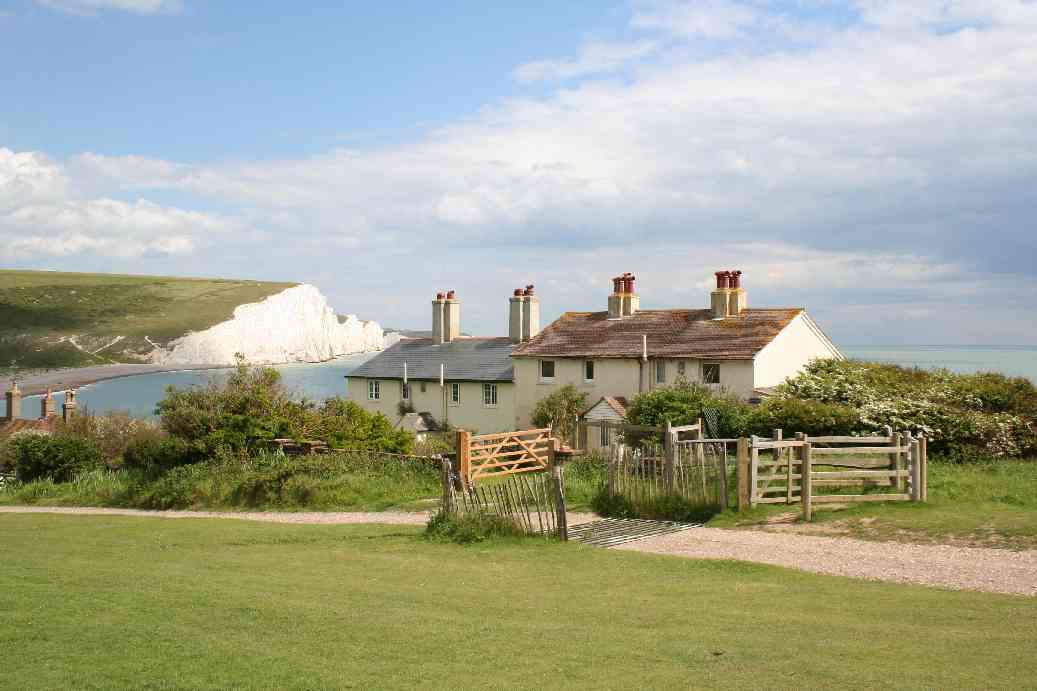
57	457
559	410
664	507
684	404
813	418
162	454
470	527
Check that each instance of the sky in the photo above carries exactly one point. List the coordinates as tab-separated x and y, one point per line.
874	161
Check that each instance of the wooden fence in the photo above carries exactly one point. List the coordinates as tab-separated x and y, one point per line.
526	487
800	470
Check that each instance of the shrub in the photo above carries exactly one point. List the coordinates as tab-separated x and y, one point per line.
162	454
57	457
559	410
813	418
684	404
469	527
664	507
112	433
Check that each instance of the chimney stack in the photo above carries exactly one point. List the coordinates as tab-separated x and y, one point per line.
523	314
437	318
451	317
624	300
729	299
14	402
47	410
68	408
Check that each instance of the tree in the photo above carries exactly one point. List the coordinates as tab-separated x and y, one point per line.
683	404
559	410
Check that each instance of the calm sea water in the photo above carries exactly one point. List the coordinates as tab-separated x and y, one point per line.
138	395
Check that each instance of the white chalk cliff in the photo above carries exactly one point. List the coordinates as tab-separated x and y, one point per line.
295	325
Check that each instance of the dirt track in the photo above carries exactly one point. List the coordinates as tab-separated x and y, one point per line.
958	568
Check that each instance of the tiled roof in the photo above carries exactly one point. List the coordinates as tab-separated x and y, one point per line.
671	333
466	359
617	403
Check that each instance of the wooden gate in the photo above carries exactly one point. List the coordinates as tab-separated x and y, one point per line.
800	470
505	453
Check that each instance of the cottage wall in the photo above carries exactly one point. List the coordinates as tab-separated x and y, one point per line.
790	351
471	414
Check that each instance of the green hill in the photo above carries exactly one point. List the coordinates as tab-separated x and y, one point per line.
51	319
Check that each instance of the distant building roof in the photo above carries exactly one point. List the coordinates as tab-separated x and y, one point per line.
465	359
418	422
671	333
9	427
618	404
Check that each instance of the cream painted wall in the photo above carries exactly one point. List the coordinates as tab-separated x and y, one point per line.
470	414
797	344
616	377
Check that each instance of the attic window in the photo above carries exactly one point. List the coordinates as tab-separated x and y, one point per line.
710	373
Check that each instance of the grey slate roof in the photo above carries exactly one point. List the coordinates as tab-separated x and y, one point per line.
466	359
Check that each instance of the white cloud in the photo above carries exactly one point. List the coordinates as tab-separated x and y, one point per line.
595	58
887	149
712	19
43	214
89	7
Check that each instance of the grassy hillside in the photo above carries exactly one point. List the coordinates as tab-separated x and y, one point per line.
51	319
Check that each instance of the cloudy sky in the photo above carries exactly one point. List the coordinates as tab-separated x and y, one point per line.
874	161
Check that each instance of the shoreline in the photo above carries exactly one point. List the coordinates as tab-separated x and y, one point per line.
78	377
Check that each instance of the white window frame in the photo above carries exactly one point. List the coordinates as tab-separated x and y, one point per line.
711	364
660	371
605	436
455	393
588	364
374	390
489	395
554	370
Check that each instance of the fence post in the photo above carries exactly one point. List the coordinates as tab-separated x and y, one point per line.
776	435
800	436
916	471
669	449
805	484
559	489
743	473
923	453
896	483
448	486
464	456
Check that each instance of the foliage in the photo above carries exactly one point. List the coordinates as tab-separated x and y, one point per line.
35	456
156	454
469	527
253	408
404	408
559	410
815	418
683	404
664	507
113	433
965	416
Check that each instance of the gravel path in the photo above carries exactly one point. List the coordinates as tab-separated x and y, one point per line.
307	518
958	568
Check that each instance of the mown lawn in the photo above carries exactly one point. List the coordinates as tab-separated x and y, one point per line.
104	602
984	504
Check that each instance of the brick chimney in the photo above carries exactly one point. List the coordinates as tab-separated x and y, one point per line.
47	408
68	408
729	299
437	317
14	402
624	300
451	317
523	314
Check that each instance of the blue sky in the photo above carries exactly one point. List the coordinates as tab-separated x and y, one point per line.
872	160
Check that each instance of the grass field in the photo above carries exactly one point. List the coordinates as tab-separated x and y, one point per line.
988	504
106	603
41	310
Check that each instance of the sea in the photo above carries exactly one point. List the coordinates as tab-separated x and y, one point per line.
138	394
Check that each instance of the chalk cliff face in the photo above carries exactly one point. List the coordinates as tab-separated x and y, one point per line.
295	325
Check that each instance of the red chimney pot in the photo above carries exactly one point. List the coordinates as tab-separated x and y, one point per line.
518	292
617	284
630	283
451	294
440	296
722	279
735	279
529	289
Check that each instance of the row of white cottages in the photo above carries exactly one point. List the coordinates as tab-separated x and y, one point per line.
492	384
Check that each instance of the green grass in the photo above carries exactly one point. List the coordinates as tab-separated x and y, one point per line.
322	483
39	310
108	603
988	504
